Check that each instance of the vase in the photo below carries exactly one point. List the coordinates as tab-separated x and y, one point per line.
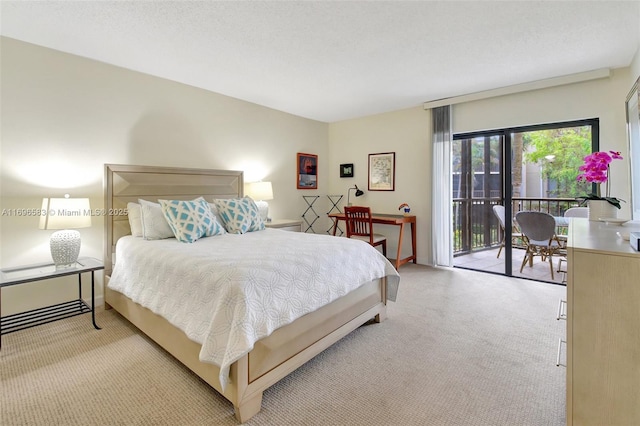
601	209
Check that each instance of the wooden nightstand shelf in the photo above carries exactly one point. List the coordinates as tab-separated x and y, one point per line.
285	224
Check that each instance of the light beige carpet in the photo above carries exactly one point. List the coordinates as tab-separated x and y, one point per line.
459	348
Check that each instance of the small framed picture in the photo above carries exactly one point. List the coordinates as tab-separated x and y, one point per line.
382	171
307	167
346	170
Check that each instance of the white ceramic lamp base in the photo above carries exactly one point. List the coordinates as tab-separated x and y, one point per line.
263	209
65	247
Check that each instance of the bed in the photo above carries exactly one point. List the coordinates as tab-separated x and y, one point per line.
276	350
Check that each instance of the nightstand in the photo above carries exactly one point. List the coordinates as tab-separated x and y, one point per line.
47	314
294	225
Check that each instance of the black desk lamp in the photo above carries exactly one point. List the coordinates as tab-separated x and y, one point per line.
358	193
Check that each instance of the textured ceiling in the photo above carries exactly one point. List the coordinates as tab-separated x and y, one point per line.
336	60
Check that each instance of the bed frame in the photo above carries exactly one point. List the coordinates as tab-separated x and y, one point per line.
273	357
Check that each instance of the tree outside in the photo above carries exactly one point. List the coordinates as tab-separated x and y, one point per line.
560	152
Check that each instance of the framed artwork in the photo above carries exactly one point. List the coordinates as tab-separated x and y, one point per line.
307	166
382	171
346	170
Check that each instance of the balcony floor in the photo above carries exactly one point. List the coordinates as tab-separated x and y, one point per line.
487	260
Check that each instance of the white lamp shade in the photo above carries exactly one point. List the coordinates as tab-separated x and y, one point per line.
65	213
260	191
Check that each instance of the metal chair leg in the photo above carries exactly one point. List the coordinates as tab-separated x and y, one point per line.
560	342
562	314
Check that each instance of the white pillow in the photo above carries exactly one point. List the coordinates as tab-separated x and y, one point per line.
214	210
154	224
191	220
239	215
135	219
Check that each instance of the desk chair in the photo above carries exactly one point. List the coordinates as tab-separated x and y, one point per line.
539	235
360	227
498	210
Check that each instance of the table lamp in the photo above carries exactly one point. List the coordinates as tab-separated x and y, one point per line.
260	192
65	214
358	193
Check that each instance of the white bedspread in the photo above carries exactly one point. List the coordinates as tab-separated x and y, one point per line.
227	292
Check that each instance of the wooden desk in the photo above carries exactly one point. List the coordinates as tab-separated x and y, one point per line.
389	219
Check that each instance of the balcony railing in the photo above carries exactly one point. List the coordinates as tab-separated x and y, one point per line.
475	227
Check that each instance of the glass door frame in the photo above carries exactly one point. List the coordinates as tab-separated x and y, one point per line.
506	135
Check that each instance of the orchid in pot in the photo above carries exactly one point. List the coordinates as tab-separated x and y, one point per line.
596	169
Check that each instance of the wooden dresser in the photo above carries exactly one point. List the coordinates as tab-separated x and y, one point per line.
603	326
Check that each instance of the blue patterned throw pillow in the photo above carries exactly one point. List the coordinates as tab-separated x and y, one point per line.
190	220
239	215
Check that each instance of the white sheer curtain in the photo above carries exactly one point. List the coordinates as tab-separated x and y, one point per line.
441	203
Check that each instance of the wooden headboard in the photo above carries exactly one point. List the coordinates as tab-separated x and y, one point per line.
127	183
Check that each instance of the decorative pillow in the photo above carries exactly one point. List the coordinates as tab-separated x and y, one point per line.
190	220
239	215
135	219
154	224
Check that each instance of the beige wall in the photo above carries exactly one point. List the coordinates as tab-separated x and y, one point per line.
635	68
407	133
64	116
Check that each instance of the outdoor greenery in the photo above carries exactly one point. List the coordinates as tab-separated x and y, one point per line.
560	153
477	154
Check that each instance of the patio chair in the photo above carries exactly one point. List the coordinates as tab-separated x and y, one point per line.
577	212
571	212
498	210
539	235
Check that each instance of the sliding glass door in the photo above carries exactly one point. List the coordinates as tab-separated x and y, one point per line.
525	168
